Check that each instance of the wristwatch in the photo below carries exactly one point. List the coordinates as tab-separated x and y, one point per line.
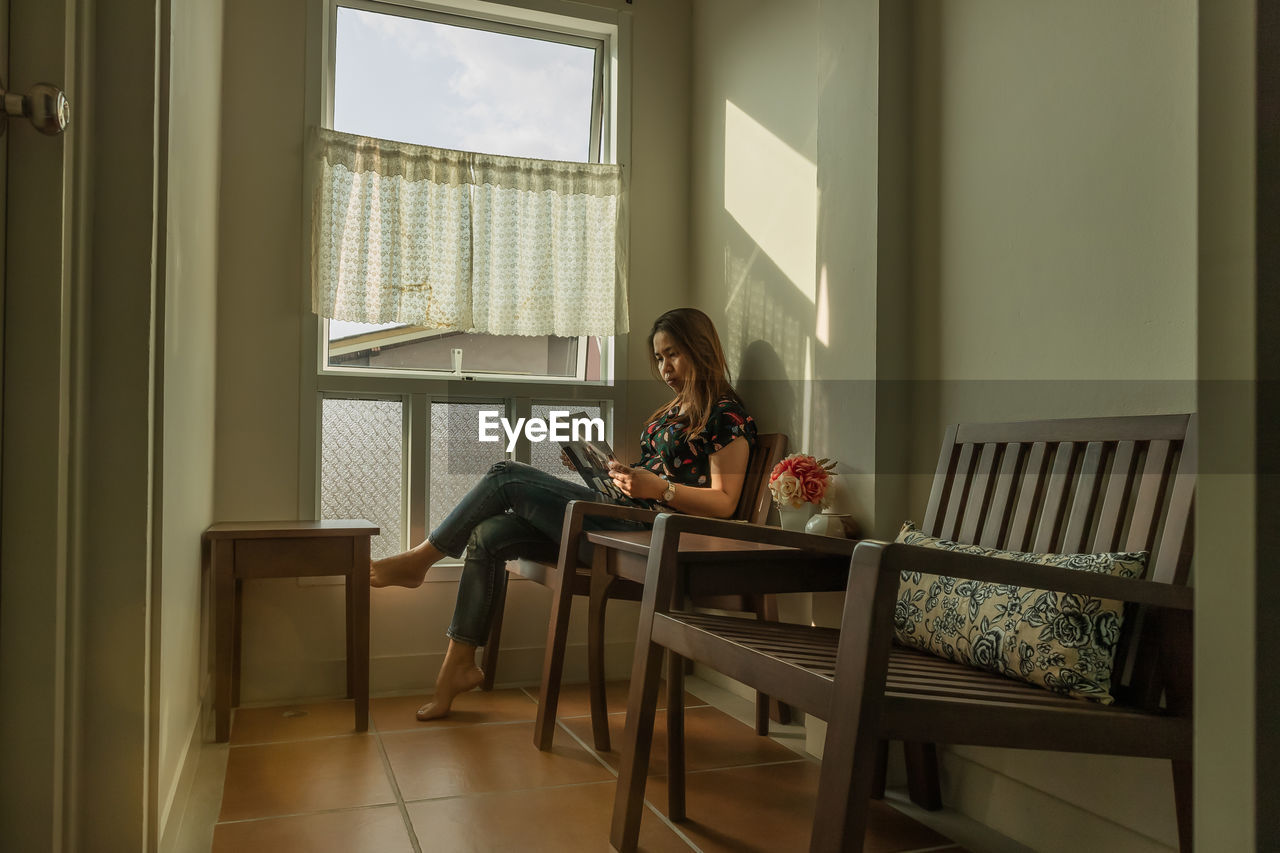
669	493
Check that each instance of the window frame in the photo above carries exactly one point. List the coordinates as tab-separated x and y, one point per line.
603	44
447	13
418	389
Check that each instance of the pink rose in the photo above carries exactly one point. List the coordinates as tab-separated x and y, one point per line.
814	489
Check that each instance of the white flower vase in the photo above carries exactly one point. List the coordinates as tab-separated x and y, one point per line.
792	518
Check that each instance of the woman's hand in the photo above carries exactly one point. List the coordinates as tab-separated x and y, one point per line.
637	482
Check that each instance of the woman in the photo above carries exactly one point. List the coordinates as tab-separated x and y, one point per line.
693	457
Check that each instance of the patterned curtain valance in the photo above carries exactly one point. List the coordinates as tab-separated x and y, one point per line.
450	239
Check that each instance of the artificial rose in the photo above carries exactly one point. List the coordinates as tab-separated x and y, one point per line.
807	468
787	491
814	490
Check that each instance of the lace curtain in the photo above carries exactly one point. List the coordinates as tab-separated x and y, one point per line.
450	239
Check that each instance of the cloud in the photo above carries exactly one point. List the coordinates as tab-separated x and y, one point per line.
491	92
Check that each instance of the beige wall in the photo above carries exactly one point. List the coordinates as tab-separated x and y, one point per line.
187	411
799	257
260	259
1055	246
1005	199
293	633
1054	210
659	195
753	194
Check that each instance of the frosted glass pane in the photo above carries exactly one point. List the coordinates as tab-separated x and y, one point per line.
458	458
546	454
362	465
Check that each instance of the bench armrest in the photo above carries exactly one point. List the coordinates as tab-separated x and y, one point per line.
759	533
913	558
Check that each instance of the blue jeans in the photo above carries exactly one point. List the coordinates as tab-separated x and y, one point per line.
515	510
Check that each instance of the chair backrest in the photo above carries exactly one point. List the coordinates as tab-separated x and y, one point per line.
1077	486
753	503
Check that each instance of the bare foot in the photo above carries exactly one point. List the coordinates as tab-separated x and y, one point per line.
448	687
407	569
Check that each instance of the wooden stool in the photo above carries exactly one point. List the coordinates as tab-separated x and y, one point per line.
287	549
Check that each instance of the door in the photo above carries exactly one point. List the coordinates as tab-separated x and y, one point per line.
35	371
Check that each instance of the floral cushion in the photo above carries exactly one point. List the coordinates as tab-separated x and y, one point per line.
1062	641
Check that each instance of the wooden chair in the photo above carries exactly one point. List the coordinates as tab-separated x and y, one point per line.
545	568
1064	486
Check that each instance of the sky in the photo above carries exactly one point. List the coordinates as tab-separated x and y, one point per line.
456	87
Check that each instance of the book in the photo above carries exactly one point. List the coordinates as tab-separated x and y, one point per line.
590	458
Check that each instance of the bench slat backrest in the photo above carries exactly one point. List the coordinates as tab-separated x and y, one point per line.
1077	486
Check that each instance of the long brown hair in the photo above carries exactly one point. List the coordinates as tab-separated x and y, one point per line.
706	374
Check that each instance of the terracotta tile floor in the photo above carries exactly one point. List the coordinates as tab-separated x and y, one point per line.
299	779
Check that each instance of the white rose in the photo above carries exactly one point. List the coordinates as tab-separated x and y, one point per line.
787	491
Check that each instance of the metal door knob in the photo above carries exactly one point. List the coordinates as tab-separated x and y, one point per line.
45	105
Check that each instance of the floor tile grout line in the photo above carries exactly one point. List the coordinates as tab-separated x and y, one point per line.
476	795
395	789
353	733
456	727
650	806
311	739
672	826
337	810
590	749
781	763
401	802
799	759
701	703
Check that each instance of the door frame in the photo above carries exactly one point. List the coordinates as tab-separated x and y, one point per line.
77	497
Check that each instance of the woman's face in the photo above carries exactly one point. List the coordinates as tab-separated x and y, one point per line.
669	359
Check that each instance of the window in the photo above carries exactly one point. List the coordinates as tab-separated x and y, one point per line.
394	433
439	79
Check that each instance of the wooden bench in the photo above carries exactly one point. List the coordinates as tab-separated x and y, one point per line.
1068	486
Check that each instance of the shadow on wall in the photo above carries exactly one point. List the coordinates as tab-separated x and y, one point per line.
766	389
768	332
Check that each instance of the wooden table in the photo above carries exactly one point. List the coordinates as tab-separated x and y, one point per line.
706	565
287	549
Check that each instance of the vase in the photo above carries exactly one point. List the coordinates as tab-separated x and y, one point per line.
792	518
827	523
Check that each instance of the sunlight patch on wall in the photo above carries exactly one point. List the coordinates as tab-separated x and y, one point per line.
771	190
822	318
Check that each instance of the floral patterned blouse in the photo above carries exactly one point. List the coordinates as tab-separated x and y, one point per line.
667	451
